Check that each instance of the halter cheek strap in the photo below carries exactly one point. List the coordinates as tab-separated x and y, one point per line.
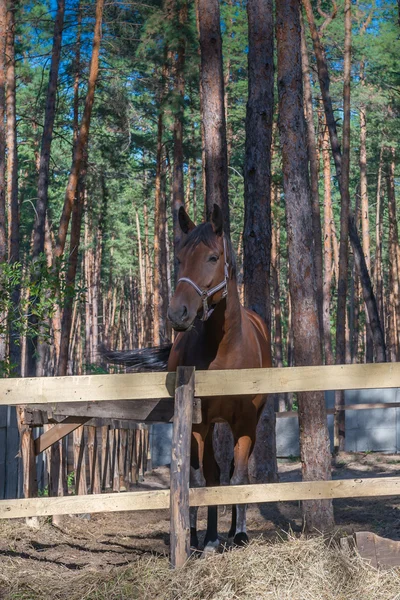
206	294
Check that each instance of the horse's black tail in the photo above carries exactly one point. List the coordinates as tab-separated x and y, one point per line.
140	359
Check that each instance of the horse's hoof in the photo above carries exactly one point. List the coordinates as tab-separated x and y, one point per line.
241	539
211	548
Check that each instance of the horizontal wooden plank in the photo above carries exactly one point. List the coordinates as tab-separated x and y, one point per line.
145	386
331	411
301	490
239	494
297	379
149	411
75	505
87	388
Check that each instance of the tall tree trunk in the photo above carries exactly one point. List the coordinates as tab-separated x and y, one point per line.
328	246
160	298
3	236
314	168
36	346
149	280
257	166
275	271
70	279
314	438
82	141
339	421
369	355
257	198
178	199
394	250
3	224
213	108
378	275
12	185
324	81
50	111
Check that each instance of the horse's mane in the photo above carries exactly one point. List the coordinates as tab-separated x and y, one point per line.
204	234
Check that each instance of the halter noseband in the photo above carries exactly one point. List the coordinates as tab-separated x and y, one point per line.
206	294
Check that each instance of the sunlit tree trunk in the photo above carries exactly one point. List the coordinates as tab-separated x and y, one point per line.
178	199
213	108
314	169
329	263
3	225
81	143
394	255
50	111
378	275
314	438
3	238
12	184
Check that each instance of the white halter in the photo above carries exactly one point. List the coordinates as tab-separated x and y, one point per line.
206	294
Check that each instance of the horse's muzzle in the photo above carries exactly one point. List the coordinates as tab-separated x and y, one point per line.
179	318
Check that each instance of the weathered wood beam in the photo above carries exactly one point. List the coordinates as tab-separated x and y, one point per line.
180	467
57	432
235	494
147	386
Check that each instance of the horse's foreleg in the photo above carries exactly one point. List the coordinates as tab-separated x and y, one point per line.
243	447
211	474
196	480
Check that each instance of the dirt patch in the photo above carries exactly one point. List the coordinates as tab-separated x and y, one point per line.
110	548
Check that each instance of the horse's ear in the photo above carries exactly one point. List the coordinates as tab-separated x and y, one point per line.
185	221
217	220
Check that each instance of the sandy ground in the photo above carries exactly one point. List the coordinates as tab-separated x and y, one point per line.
107	540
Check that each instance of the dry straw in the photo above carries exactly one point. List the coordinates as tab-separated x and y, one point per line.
294	569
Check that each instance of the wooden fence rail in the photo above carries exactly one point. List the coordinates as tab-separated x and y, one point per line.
148	386
88	391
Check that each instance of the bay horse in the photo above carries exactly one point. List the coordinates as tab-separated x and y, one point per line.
214	331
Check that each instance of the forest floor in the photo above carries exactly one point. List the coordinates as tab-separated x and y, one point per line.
49	562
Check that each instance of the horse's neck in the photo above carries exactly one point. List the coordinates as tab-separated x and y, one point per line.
224	325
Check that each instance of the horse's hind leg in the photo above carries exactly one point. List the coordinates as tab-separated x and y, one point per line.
196	480
211	474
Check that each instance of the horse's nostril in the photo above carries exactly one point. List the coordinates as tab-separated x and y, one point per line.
184	312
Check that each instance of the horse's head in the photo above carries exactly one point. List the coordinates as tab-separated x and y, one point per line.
203	272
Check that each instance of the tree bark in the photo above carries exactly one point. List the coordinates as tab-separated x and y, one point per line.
12	185
36	346
213	109
257	199
339	420
66	321
378	275
314	438
314	168
324	81
178	198
160	296
82	141
50	111
257	165
328	245
3	234
394	255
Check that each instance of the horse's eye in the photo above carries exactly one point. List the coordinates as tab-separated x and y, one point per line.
213	259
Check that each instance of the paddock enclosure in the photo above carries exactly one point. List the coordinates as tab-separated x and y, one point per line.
162	396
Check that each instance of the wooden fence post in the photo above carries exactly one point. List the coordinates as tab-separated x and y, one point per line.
180	466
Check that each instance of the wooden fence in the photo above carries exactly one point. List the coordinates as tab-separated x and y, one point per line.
152	394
